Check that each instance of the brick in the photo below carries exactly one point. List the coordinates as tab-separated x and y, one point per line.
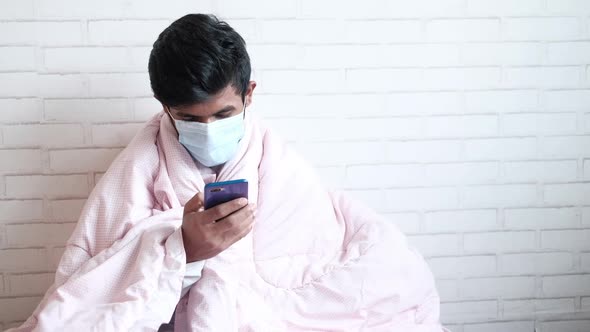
512	54
548	77
462	126
536	263
566	100
565	326
466	266
568	53
566	239
586	216
460	220
339	153
114	135
372	198
565	147
421	198
462	78
424	103
447	289
291	81
114	8
20	160
494	242
371	176
55	255
365	56
384	79
380	9
499	196
283	56
145	108
585	262
16	210
463	30
587	123
469	310
515	308
407	222
504	287
19	308
20	110
128	32
337	31
29	284
371	31
542	28
539	123
455	173
43	135
500	148
541	218
587	169
567	194
17	10
63	86
104	59
560	170
139	58
574	7
517	326
52	186
119	85
321	106
568	285
425	151
435	245
504	7
86	110
585	303
258	8
78	161
17	58
23	260
66	210
43	33
345	129
501	101
332	176
23	236
18	84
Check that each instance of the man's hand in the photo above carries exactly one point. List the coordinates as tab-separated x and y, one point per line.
206	233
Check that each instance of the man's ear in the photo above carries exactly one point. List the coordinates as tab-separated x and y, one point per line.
249	93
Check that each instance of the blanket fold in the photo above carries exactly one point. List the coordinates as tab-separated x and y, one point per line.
315	261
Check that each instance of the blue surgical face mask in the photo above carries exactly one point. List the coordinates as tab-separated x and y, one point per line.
212	143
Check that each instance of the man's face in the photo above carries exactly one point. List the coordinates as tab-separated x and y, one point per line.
222	105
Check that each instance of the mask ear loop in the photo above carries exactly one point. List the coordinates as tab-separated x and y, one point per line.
167	110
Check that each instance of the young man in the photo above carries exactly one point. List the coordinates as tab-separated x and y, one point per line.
293	256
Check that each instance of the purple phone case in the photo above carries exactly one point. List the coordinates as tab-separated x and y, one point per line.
221	192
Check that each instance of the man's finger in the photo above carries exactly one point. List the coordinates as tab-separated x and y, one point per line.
223	210
194	204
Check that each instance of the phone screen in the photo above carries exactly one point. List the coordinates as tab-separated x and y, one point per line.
220	192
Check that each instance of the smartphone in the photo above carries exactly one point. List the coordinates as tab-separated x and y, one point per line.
221	192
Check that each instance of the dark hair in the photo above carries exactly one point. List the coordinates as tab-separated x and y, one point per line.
195	57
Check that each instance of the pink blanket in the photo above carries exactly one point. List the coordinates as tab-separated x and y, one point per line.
315	260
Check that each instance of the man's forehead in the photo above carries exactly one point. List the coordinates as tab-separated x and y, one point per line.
226	99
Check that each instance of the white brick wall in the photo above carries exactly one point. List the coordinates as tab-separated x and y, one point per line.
465	122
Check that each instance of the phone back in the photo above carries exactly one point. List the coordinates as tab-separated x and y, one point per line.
221	192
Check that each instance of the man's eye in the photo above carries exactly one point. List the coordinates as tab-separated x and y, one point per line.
223	115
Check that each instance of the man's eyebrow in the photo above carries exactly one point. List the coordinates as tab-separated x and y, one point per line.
227	108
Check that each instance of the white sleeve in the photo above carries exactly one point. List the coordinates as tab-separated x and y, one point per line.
192	274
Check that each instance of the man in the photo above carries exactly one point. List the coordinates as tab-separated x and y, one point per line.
292	257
